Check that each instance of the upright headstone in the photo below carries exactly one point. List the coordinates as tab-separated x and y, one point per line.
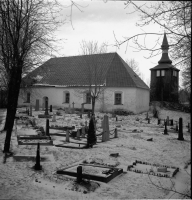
159	121
180	135
50	109
37	105
73	110
82	108
67	136
171	122
47	127
83	131
46	106
105	136
116	135
79	174
37	165
147	116
165	130
116	119
148	120
54	117
167	120
176	126
78	134
30	113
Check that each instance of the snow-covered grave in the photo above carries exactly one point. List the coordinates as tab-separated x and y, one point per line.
18	179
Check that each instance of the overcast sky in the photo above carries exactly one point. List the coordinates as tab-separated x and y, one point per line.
98	21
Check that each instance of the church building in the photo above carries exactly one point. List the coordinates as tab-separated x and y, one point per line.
164	84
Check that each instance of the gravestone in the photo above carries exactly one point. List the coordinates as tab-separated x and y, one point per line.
47	127
159	121
116	135
82	108
176	126
54	117
165	130
79	174
116	119
37	105
37	165
30	113
147	116
167	120
67	136
189	127
73	110
180	135
171	122
148	120
50	108
46	106
83	131
105	135
78	134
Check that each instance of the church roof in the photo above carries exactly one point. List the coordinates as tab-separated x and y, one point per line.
110	70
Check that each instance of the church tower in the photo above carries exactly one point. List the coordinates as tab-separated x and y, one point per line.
164	84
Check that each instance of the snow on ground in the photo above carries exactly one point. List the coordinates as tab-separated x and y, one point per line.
19	181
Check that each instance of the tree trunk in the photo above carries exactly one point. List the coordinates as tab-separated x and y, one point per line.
93	105
13	94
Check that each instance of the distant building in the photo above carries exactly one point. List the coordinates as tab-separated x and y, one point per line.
164	84
65	80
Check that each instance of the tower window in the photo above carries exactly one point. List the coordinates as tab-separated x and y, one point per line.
88	97
66	97
174	73
162	72
158	73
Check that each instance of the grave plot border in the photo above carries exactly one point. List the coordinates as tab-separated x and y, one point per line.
25	137
65	128
44	116
50	143
109	177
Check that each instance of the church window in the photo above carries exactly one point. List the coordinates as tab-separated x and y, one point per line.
158	73
28	97
66	97
162	72
118	98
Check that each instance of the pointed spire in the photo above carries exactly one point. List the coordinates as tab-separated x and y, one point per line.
165	46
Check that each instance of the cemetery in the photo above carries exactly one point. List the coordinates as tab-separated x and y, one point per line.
52	153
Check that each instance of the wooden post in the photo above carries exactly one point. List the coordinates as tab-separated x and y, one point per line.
165	130
79	174
67	136
37	165
180	135
30	113
47	127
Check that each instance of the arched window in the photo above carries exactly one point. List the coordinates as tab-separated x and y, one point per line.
66	97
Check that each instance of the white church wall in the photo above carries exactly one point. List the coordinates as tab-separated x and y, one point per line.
133	99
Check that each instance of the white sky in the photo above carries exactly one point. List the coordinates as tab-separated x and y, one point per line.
97	22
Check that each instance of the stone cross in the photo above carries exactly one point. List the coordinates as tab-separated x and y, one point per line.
37	105
180	135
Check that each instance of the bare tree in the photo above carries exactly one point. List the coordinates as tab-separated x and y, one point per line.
95	75
26	36
134	66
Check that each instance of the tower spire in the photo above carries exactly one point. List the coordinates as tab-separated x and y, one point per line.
165	46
